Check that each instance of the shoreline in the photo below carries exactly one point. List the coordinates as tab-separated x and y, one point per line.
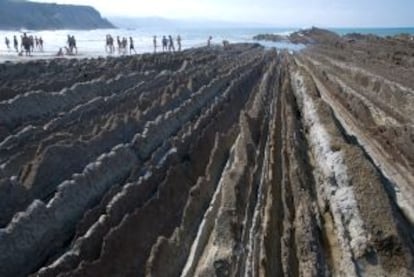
39	56
92	42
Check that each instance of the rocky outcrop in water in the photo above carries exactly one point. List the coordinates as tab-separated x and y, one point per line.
209	162
306	37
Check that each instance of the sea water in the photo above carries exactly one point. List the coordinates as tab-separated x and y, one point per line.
92	43
382	32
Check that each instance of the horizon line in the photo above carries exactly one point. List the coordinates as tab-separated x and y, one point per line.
261	24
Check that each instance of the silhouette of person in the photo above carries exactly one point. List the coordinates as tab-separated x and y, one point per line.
209	41
41	43
164	43
31	40
7	41
118	40
68	51
26	44
124	45
179	42
154	41
109	47
60	52
72	45
107	44
37	46
171	44
73	40
111	44
16	44
131	46
69	42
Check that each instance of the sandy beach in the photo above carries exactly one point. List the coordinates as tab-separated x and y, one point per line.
13	57
235	161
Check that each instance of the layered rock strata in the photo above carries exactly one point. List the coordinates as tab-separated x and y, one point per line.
209	162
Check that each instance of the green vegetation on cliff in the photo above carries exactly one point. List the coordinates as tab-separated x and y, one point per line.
36	16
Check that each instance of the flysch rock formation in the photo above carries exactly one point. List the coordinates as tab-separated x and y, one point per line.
241	161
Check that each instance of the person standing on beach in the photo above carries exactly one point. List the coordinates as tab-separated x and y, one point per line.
7	41
110	42
131	46
124	45
26	44
108	47
74	45
31	40
16	44
69	42
154	41
171	44
164	43
37	46
209	41
118	41
179	43
41	44
112	46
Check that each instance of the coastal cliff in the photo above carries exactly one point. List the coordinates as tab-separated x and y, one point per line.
39	16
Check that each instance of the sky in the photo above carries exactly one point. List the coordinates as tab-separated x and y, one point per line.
278	13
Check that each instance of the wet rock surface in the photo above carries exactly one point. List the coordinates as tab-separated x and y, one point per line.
210	162
306	37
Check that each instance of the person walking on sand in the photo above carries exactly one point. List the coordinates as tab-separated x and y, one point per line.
131	46
16	44
171	44
154	41
179	43
164	43
7	42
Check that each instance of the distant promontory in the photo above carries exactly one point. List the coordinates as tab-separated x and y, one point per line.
20	14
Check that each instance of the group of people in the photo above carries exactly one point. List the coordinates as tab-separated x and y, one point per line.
121	43
28	44
167	43
70	48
